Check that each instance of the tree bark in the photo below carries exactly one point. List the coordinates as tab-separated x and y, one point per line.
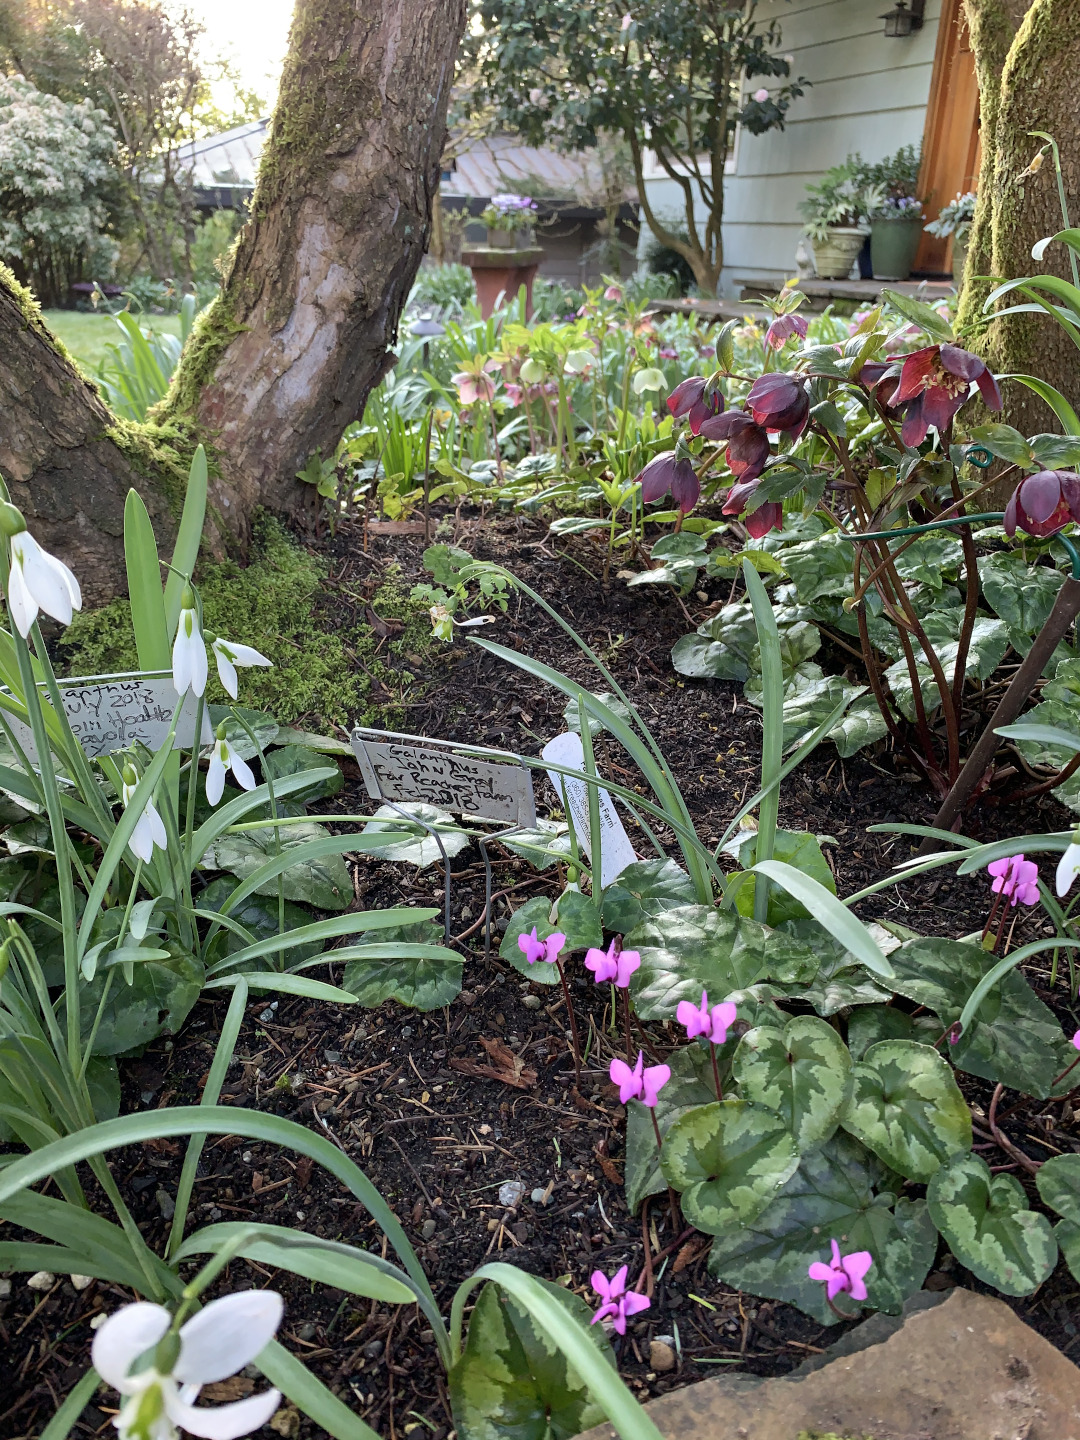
1026	84
286	356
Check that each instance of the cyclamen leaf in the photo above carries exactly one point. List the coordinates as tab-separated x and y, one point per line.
159	998
830	1197
423	982
645	890
533	914
323	882
691	1086
689	949
721	648
728	1161
1021	594
1058	1183
821	567
986	1221
906	1106
801	1072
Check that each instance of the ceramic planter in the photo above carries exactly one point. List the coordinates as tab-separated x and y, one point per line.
501	239
835	256
893	244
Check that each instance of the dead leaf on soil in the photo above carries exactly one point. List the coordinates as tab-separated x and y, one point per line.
302	1173
286	1422
395	527
508	1068
691	1251
237	1387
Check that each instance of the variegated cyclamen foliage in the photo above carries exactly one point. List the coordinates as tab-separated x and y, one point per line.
986	1221
1059	1187
906	1106
729	1161
801	1072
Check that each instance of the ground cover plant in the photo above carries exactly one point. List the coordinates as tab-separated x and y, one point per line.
783	1075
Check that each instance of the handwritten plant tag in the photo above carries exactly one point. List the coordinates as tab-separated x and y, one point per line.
616	851
408	769
114	712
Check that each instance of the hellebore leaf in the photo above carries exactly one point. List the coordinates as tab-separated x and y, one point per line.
512	1380
692	948
906	1106
986	1221
831	1197
643	891
728	1161
801	1072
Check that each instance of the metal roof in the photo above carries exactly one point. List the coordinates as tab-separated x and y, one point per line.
499	163
231	158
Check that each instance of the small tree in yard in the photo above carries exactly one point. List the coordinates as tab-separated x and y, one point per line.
666	75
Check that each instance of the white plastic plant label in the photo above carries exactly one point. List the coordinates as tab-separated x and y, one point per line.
616	851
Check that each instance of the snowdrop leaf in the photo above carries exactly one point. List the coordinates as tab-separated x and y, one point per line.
424	982
512	1379
986	1221
728	1160
534	913
643	891
158	999
906	1106
322	881
691	948
1058	1183
831	1196
801	1072
259	915
330	1263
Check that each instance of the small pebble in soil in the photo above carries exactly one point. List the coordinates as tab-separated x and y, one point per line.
532	1002
41	1280
99	1320
510	1193
333	1057
373	1349
166	1203
406	1031
539	1196
661	1356
267	1015
427	1230
80	1282
246	1157
305	1331
5	1288
703	596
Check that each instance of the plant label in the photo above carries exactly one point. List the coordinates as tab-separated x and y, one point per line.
114	712
616	851
466	780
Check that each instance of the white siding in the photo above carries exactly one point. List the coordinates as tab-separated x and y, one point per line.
868	94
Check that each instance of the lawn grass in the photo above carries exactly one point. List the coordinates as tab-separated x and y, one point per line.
86	335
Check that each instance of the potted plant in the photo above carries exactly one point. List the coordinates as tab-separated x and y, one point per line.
835	212
955	220
895	230
509	220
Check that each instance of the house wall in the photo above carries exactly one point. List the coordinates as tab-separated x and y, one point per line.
869	94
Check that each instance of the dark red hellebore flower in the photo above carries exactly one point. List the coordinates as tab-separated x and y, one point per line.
934	383
665	473
782	329
690	400
779	402
759	522
1041	504
748	444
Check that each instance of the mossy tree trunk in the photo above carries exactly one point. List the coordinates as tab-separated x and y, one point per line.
288	353
1027	56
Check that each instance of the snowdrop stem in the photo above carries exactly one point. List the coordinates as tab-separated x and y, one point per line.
716	1073
193	785
573	1023
91	792
269	780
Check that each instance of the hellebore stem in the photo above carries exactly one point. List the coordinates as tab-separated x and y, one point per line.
573	1024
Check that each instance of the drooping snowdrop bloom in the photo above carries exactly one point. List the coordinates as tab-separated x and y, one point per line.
546	950
617	1303
1068	868
229	655
189	649
37	580
149	828
613	964
845	1274
224	759
714	1023
639	1083
217	1342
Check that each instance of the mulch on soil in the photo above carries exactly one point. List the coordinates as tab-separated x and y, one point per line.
442	1110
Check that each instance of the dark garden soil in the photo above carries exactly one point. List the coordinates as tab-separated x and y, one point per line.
441	1110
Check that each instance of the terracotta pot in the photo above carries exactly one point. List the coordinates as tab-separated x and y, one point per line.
835	256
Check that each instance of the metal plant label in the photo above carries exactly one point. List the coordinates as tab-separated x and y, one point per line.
115	712
408	769
616	851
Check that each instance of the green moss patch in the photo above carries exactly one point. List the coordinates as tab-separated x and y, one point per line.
329	668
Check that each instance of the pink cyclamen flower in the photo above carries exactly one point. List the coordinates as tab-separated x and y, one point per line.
639	1083
845	1274
782	329
617	1303
612	964
547	950
1016	878
700	1020
1076	1040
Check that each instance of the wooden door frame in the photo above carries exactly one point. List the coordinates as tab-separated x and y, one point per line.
950	153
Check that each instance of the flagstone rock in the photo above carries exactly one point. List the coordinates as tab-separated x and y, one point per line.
955	1366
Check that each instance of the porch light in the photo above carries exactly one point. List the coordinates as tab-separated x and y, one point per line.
901	20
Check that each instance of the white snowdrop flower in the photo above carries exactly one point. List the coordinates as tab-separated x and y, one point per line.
217	1342
229	655
189	661
37	580
224	759
149	828
1068	869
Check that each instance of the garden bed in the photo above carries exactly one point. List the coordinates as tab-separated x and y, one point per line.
438	1119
